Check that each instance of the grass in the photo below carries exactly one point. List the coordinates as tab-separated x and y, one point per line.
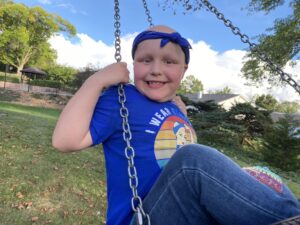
10	77
247	158
39	185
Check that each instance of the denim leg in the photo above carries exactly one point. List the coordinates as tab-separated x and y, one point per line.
200	185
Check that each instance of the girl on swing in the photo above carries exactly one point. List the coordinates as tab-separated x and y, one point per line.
180	182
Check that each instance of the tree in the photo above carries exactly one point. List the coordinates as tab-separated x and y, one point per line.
25	31
288	107
4	2
44	57
267	102
281	146
225	90
61	73
281	43
81	77
254	120
190	85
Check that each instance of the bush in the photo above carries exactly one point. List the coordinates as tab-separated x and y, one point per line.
281	145
254	120
46	83
9	78
212	129
81	77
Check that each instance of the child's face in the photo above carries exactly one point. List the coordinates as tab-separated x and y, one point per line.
158	71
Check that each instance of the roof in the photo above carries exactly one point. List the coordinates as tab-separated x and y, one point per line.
33	70
217	98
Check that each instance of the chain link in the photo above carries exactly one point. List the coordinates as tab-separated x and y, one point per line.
147	11
117	25
253	47
136	201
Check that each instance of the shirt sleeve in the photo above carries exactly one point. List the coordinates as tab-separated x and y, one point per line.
105	117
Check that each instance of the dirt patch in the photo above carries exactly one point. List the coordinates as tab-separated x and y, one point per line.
34	99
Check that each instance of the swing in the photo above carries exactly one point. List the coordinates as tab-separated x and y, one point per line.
136	201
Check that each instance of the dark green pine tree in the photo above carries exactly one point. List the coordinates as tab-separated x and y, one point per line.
281	146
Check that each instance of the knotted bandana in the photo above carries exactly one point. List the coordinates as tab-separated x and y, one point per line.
165	39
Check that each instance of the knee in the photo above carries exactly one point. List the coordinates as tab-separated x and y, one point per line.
204	158
197	151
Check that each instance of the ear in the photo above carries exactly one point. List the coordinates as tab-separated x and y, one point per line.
186	66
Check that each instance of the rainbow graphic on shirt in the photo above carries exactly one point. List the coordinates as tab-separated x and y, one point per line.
173	133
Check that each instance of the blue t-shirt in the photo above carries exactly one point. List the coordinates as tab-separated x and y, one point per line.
158	129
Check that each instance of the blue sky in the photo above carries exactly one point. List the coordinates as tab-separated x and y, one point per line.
217	55
95	18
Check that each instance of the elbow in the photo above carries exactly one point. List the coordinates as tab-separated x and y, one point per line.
60	145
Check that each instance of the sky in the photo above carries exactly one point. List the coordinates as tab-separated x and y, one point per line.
216	55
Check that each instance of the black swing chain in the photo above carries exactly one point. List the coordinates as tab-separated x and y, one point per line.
147	11
136	201
253	47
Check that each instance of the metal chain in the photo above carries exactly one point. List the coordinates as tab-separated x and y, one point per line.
245	39
117	25
147	11
136	201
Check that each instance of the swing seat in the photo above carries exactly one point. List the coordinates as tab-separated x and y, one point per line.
290	221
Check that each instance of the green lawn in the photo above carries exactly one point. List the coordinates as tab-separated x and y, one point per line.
39	185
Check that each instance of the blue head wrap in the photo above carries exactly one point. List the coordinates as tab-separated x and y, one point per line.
165	39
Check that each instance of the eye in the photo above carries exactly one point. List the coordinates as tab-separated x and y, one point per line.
170	61
146	60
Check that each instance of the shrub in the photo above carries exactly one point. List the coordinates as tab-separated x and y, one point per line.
46	83
9	78
281	145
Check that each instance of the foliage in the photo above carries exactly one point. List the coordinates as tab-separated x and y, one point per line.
61	73
190	85
46	83
80	77
214	130
225	90
288	107
253	120
267	102
215	126
281	44
44	57
25	32
5	2
9	78
281	146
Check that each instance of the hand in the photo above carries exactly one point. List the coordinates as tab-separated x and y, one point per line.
180	104
112	74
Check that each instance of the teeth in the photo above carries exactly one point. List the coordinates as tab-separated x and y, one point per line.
154	82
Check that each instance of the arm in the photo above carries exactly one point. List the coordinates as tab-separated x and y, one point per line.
72	129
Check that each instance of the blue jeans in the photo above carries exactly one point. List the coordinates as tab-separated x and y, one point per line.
200	185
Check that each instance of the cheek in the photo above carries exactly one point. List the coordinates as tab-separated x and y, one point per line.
138	72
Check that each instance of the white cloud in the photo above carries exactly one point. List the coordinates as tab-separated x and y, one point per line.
216	70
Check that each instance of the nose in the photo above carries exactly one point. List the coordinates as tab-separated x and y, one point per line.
155	68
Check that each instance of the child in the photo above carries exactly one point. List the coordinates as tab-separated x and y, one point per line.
198	185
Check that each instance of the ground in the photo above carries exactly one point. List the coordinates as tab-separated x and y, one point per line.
34	99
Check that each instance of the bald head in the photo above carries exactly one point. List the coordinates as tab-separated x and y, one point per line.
162	28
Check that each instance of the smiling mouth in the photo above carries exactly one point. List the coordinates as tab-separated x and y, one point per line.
155	84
